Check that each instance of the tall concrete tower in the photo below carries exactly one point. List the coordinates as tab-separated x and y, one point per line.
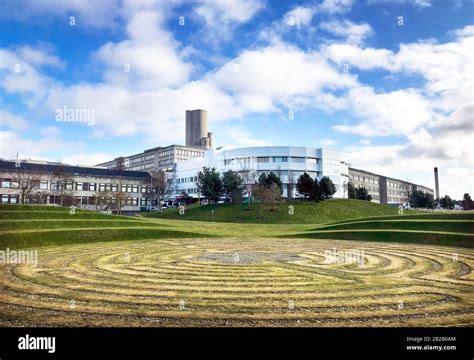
436	183
196	129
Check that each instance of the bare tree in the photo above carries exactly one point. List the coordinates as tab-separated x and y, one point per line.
249	177
120	163
345	188
25	183
102	199
120	201
119	197
173	182
160	182
408	190
63	179
292	180
267	194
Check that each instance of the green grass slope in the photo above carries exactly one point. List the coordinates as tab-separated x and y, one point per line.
441	229
302	212
31	226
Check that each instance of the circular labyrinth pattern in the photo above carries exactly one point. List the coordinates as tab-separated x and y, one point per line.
271	282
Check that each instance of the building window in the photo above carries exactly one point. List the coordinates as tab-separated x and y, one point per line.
296	159
4	199
92	186
312	160
280	159
263	159
101	187
135	188
78	186
5	183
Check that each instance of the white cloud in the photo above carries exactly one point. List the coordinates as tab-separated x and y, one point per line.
39	57
361	58
279	73
88	158
466	31
353	33
446	143
221	16
398	112
44	148
300	16
447	68
415	3
243	138
12	121
50	131
327	142
456	177
148	59
335	6
20	73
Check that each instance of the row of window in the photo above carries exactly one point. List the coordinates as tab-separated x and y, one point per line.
187	191
394	199
165	153
184	152
372	189
266	159
365	179
142	167
165	162
187	179
189	153
9	199
395	192
395	185
79	186
79	200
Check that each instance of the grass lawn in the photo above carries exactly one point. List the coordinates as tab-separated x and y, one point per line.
24	226
288	212
105	270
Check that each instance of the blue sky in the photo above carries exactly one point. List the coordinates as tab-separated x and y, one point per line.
387	81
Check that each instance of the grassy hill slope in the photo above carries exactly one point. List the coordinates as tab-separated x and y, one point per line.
456	229
303	212
31	226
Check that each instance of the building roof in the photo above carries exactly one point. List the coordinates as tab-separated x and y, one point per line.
73	170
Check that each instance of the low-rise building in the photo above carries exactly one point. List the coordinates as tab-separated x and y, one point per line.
93	188
384	189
